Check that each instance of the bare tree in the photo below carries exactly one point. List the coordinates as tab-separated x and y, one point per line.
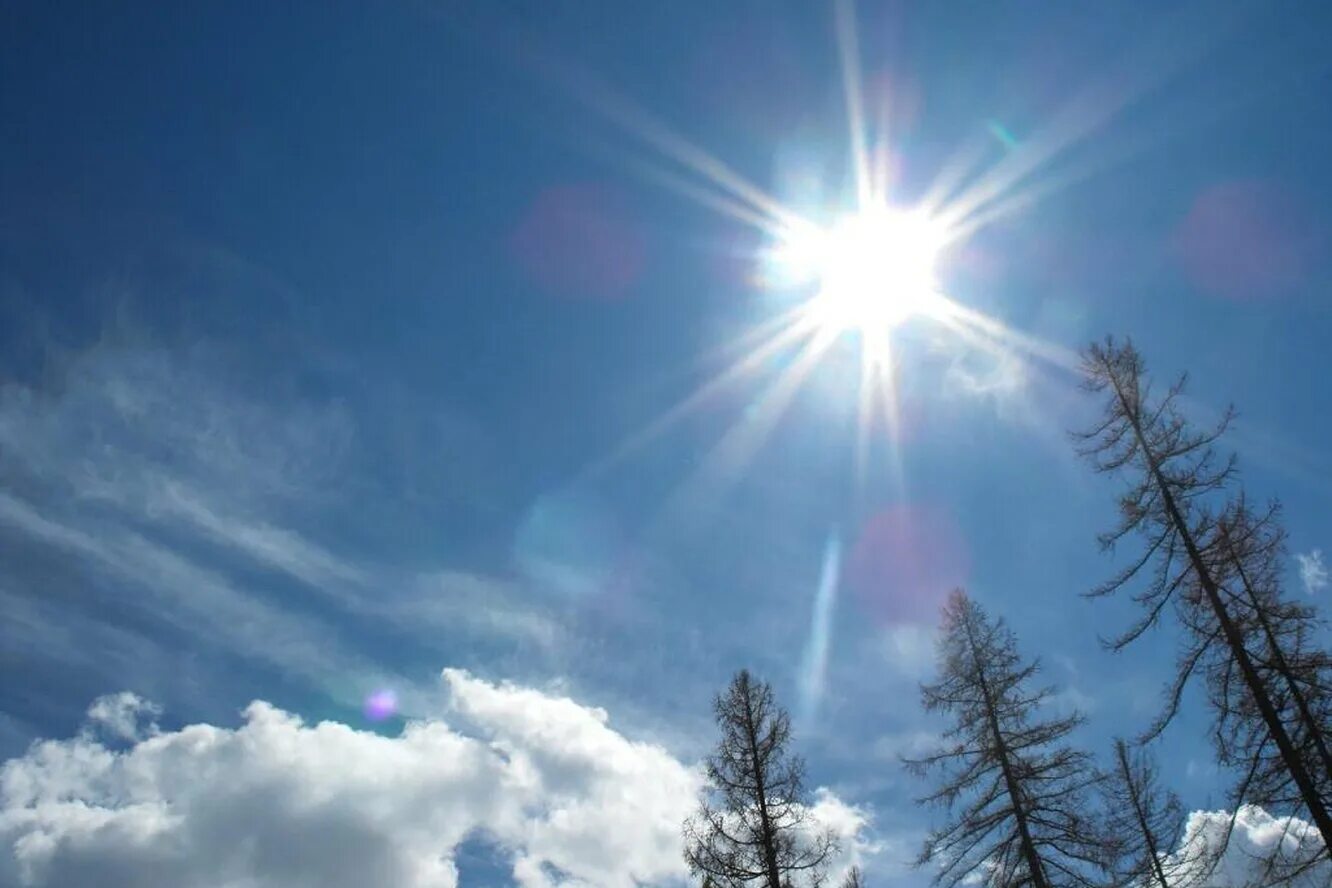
1175	500
1249	547
1145	825
753	825
1018	794
853	878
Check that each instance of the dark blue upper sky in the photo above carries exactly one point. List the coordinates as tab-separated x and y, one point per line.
322	327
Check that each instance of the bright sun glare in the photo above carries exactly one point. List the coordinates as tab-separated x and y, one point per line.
873	270
858	278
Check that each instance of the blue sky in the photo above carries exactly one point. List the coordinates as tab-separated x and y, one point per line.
326	336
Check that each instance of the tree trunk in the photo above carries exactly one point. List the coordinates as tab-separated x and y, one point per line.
1037	871
1140	814
769	843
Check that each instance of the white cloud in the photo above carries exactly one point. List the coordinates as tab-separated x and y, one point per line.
909	649
276	801
1313	573
1002	378
1256	836
279	802
851	825
905	744
275	547
1069	699
124	716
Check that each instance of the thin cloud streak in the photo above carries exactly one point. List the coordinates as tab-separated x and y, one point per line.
203	605
174	500
814	662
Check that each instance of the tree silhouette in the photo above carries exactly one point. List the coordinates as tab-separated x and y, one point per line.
1249	548
1145	824
753	824
1212	562
1018	795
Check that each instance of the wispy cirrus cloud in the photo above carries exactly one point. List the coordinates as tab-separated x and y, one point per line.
201	603
177	506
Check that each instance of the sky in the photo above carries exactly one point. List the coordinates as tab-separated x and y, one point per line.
394	459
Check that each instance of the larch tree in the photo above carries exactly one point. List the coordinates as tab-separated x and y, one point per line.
753	826
1145	827
1249	548
1212	561
1018	796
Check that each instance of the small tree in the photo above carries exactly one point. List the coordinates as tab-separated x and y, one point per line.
1145	824
1019	793
753	825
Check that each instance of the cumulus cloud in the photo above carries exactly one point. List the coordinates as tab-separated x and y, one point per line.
280	802
1257	838
851	825
124	716
277	801
1313	573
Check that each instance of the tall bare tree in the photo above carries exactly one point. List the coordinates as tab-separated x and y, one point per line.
1145	825
1199	550
1249	547
1018	794
753	825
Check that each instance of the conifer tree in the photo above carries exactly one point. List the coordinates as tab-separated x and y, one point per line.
1212	562
1017	793
1145	827
1282	634
753	826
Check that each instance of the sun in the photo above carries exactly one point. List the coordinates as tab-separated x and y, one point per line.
871	270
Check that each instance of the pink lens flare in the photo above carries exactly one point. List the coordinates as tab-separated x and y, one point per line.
381	705
905	561
581	241
1246	240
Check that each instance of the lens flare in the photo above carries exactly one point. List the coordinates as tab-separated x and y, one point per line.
381	705
904	561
